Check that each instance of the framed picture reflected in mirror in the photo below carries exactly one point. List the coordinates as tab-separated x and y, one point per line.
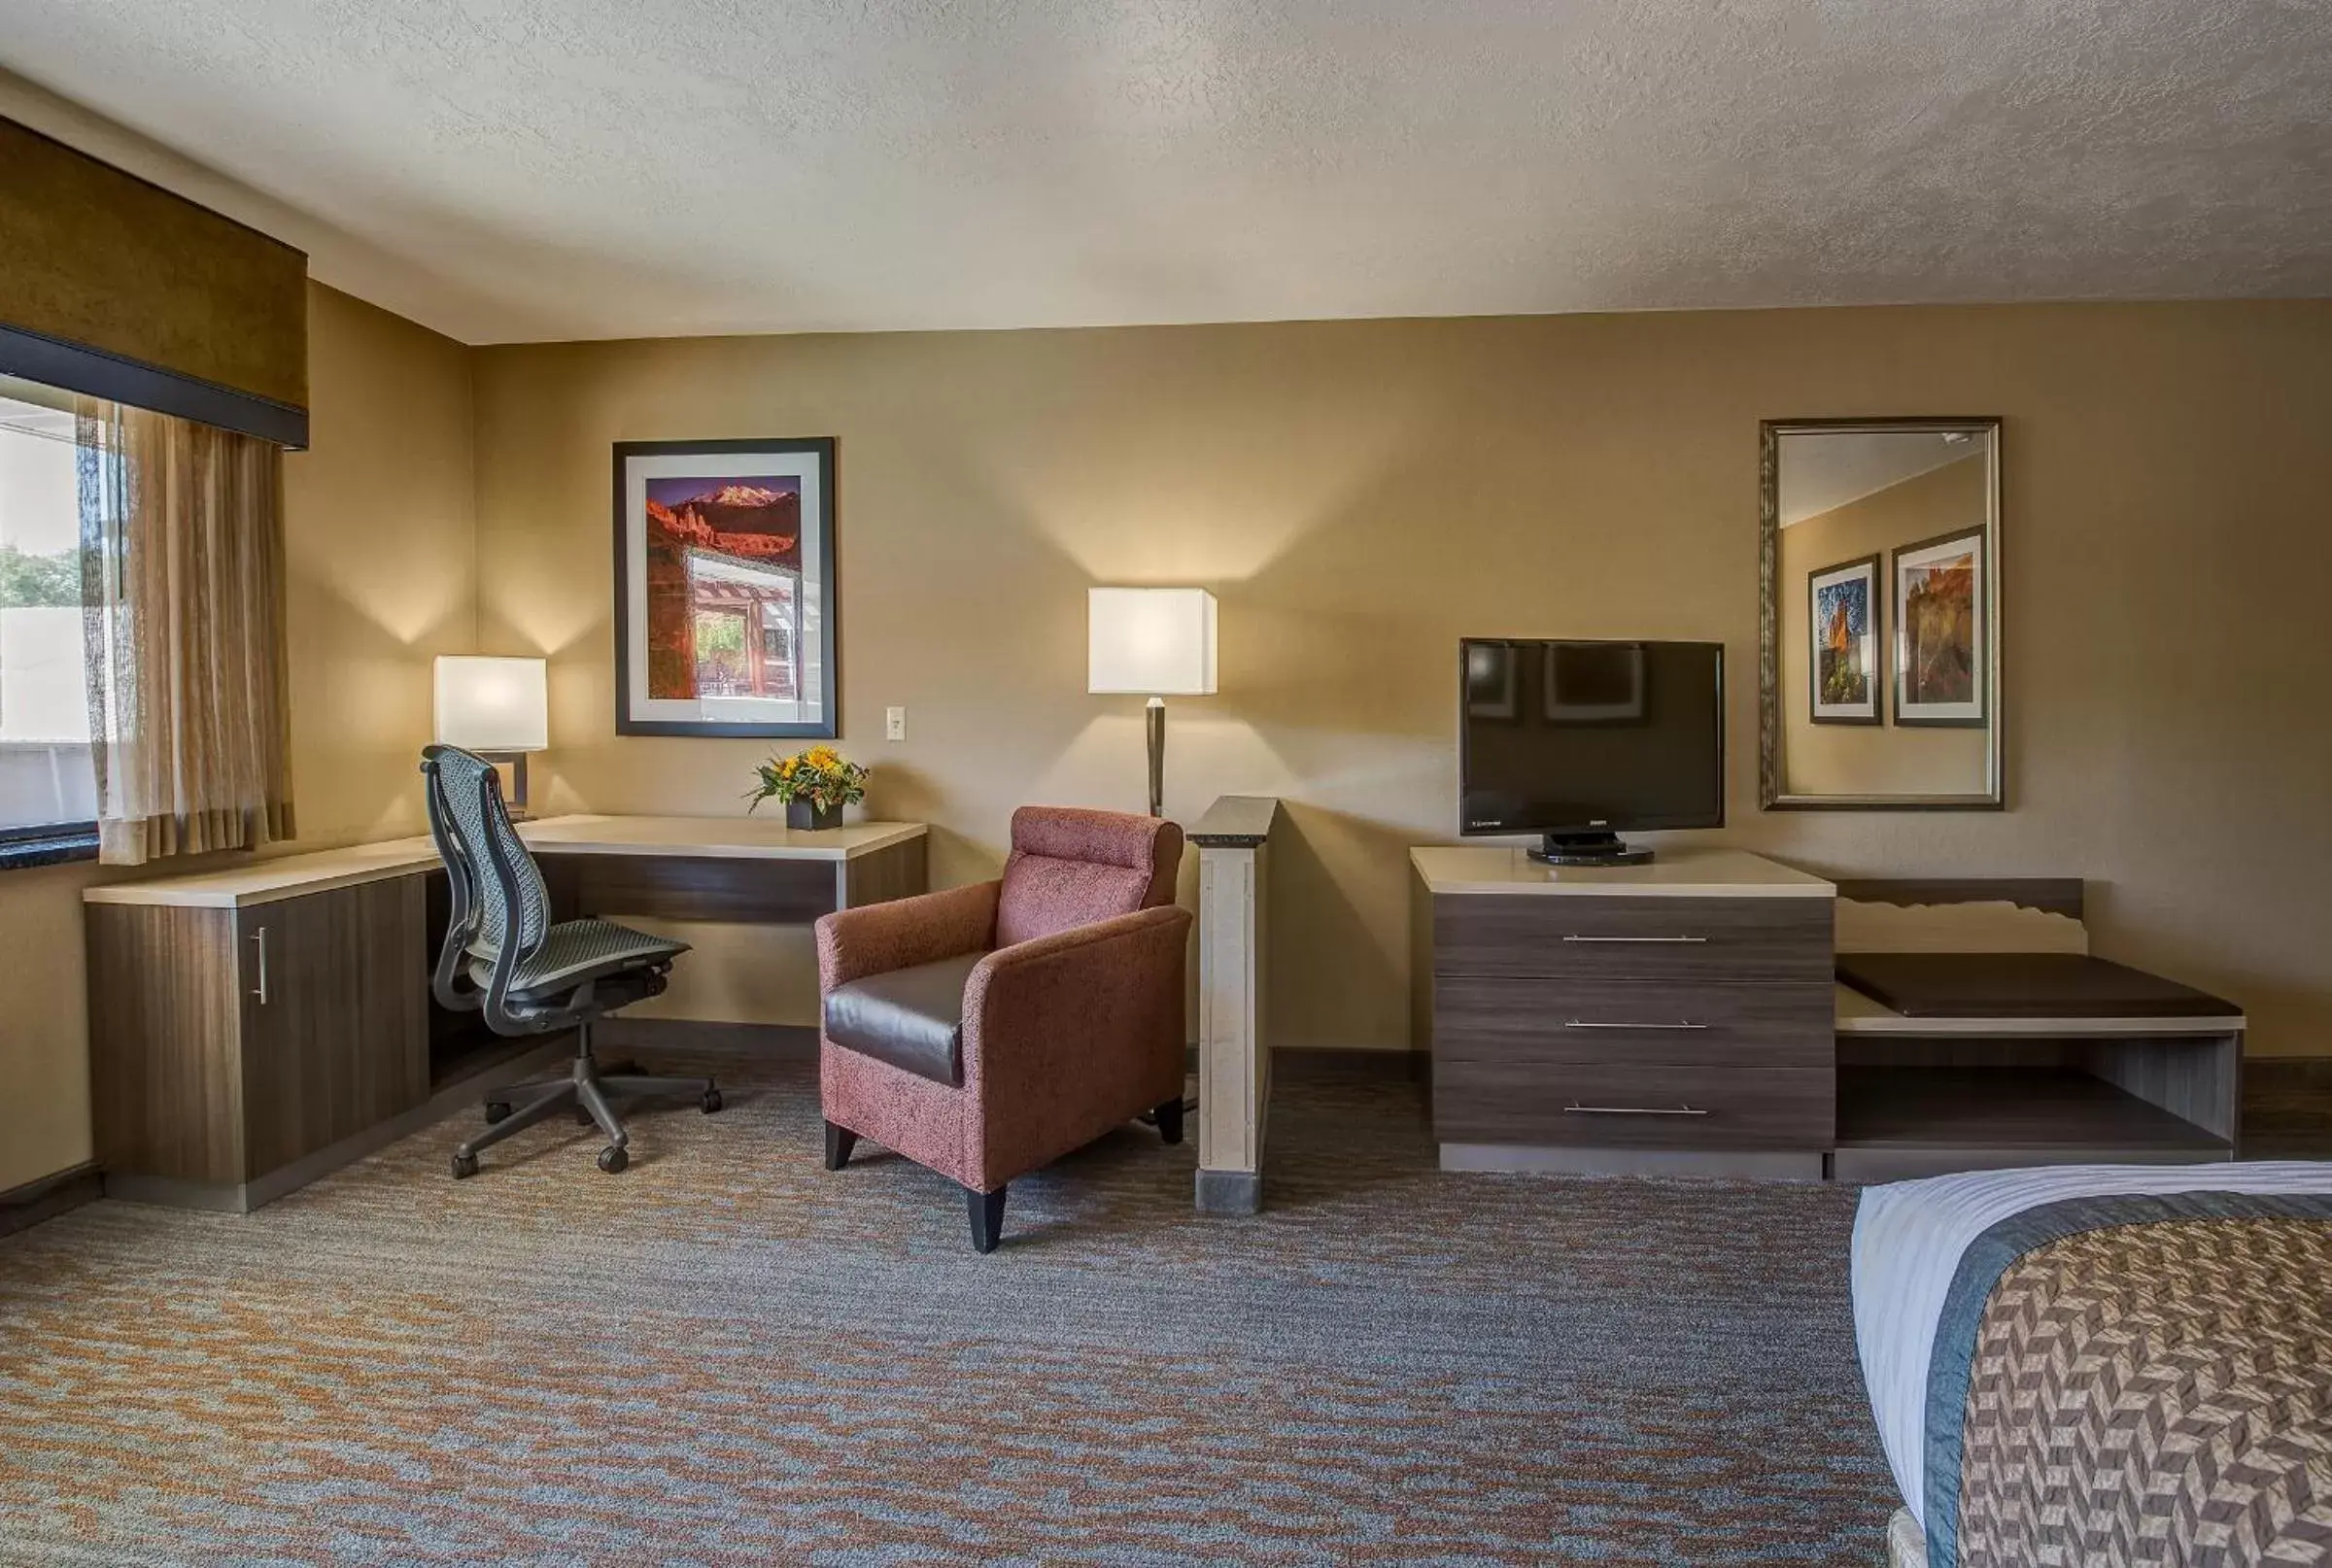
1843	621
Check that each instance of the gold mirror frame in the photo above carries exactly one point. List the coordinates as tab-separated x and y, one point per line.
1769	791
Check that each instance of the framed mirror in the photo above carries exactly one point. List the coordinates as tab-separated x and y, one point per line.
1879	657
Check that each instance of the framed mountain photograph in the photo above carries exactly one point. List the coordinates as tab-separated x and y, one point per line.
1843	621
725	589
1940	635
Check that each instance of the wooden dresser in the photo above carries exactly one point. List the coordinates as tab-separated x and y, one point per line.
1675	1016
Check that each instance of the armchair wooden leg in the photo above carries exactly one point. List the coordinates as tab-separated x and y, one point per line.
1170	1120
986	1210
840	1141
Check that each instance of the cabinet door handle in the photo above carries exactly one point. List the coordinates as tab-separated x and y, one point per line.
260	936
1637	939
1631	1110
1582	1023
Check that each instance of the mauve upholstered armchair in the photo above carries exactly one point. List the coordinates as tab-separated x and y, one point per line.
986	1031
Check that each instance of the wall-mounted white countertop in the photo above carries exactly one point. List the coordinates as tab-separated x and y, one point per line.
290	877
1682	872
755	837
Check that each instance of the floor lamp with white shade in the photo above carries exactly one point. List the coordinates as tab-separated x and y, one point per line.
1154	642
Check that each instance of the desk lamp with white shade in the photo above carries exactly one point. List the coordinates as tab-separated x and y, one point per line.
498	708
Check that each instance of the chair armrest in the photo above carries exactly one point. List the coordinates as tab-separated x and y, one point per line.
1053	1012
879	938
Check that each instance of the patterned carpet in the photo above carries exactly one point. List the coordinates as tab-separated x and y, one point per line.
728	1355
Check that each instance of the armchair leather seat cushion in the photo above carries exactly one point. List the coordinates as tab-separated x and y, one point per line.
912	1017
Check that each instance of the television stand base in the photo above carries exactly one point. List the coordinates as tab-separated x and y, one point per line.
1590	849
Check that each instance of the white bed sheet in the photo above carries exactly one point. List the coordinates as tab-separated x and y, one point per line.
1908	1237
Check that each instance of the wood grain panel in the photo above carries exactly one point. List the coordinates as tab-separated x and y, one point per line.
2056	1109
697	887
164	1066
1421	958
893	872
1621	1105
2198	1080
1495	1018
340	1040
1632	939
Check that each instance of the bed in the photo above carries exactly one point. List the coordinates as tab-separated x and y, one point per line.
2103	1364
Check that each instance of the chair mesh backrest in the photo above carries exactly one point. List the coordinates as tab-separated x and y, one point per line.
466	799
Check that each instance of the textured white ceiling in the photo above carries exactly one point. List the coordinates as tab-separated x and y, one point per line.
612	167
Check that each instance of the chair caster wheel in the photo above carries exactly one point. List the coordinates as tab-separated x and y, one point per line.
613	1158
711	1100
465	1165
496	1110
582	1117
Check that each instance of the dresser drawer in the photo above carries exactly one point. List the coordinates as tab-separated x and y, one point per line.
1500	1018
1647	939
1628	1104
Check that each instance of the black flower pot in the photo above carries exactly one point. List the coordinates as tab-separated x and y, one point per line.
809	814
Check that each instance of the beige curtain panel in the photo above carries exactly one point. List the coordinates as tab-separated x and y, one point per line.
182	537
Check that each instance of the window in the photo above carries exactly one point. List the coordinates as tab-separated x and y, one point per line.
47	785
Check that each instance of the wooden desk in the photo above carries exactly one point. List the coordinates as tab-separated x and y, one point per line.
253	1028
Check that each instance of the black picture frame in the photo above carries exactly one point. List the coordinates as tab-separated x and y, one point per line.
1873	569
817	510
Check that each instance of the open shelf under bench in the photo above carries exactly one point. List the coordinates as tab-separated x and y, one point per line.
1900	1121
1923	1096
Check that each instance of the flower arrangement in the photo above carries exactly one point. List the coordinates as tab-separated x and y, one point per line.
813	786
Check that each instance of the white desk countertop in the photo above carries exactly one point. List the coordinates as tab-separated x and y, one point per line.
289	877
1685	873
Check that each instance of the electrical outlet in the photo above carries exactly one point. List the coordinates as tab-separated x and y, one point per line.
894	724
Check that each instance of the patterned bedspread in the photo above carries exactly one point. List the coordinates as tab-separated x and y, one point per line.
2137	1380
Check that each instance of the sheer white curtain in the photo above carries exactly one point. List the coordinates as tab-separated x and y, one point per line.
183	592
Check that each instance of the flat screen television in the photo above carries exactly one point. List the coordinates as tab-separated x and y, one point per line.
1583	741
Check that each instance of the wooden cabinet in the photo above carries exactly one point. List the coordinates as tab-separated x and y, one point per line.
1675	1016
229	1045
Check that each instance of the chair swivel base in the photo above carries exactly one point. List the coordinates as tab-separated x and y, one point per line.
585	1091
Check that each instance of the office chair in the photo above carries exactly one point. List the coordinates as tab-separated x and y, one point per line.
505	959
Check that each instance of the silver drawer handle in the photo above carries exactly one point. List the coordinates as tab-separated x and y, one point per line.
1632	1110
261	990
1663	939
1582	1023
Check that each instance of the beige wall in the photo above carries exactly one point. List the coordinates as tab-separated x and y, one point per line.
1888	758
380	544
1360	495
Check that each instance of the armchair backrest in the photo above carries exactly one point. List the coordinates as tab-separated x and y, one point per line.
1070	867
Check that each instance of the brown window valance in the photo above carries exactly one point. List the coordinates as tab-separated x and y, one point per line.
114	287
